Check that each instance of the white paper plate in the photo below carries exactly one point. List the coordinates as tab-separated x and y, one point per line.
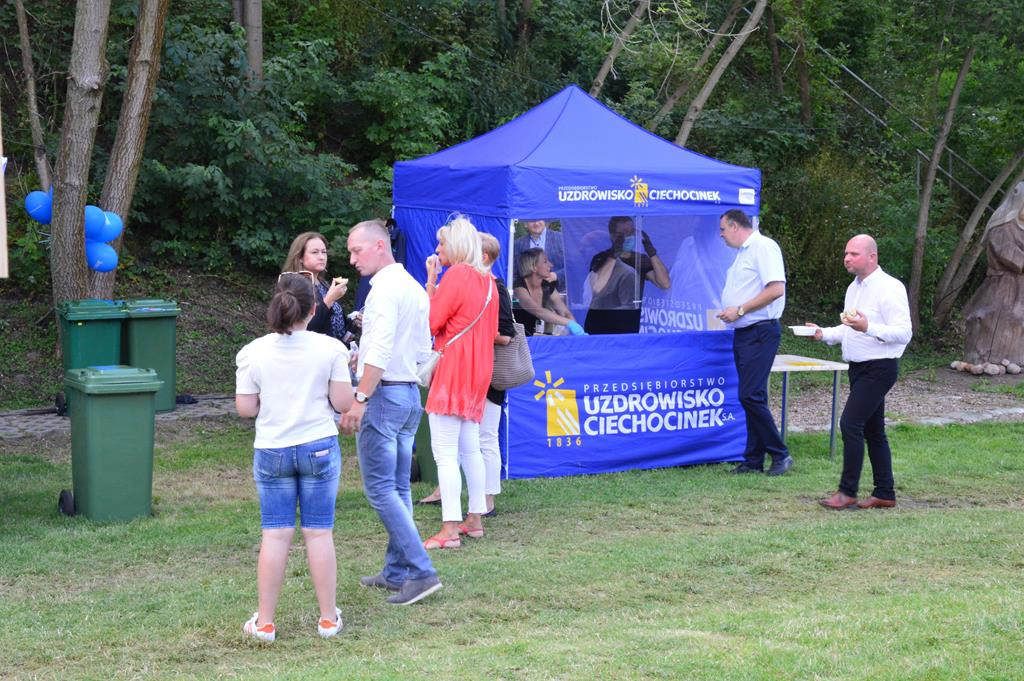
803	330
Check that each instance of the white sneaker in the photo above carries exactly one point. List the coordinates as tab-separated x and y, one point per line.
326	628
264	632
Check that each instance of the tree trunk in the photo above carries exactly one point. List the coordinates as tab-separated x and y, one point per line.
617	45
38	142
773	47
917	264
130	141
3	205
524	22
253	21
802	74
947	291
709	50
716	74
501	16
238	11
87	75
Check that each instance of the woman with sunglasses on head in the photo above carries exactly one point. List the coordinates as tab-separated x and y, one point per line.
495	398
308	252
464	302
540	305
292	381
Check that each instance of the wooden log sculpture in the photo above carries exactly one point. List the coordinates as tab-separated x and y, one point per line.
994	316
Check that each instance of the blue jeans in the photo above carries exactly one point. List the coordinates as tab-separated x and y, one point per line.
307	473
384	445
754	348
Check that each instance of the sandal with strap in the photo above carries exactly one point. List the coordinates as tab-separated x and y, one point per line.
439	541
475	533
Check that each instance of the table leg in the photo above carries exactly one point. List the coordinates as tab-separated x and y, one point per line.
785	396
835	403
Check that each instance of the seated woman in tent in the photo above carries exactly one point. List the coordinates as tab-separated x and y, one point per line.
617	277
538	304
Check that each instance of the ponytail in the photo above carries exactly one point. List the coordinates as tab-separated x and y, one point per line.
292	302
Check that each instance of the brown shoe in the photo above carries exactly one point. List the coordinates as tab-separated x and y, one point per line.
875	502
838	502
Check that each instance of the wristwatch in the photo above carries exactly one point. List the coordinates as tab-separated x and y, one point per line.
739	311
361	397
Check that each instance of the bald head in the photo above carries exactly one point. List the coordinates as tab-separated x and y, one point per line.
861	256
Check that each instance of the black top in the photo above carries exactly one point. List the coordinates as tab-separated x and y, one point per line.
505	328
528	319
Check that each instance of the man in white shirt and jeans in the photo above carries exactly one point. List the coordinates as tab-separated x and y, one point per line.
752	302
387	411
875	330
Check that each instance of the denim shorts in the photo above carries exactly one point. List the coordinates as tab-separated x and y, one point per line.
307	474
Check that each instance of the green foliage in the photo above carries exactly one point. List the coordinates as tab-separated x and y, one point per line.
230	172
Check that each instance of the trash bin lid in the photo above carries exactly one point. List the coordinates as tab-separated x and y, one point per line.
91	308
112	379
151	307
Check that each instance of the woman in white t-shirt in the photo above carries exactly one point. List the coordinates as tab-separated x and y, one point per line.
293	380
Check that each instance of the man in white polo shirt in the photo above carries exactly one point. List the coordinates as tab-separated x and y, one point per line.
387	411
874	332
752	302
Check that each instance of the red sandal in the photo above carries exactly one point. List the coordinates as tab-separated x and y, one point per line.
438	541
471	532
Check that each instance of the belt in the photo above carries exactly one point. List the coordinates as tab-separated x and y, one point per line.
397	382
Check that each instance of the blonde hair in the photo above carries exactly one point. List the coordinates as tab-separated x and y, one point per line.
462	243
490	247
293	262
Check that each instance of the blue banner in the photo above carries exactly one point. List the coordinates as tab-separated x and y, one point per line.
601	404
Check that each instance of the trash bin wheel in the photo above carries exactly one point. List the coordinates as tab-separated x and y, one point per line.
61	403
66	503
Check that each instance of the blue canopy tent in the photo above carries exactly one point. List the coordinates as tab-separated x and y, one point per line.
572	159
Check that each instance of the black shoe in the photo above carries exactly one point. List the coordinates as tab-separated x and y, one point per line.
745	468
781	466
490	514
415	589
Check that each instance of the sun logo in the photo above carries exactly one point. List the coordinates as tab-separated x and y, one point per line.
640	191
563	412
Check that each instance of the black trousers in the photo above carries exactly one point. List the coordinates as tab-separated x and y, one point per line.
754	348
864	419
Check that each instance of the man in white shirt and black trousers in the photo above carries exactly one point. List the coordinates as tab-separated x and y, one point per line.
875	330
387	411
752	302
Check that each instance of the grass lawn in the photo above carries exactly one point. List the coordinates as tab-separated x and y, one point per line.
686	573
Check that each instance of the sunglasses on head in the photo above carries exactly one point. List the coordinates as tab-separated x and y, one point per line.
302	273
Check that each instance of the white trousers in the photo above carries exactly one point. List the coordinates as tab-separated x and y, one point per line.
489	447
455	440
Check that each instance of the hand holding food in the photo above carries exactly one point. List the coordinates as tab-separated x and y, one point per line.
854	319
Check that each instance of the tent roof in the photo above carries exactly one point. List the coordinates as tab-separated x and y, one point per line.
571	155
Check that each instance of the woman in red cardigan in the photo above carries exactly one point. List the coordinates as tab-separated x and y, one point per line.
455	404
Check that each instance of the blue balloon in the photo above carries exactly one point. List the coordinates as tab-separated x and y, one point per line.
39	206
100	256
112	227
95	221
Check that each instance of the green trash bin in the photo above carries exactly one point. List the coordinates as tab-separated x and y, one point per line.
424	452
90	335
112	440
150	342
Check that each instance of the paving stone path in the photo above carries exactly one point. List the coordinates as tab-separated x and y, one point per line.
38	422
